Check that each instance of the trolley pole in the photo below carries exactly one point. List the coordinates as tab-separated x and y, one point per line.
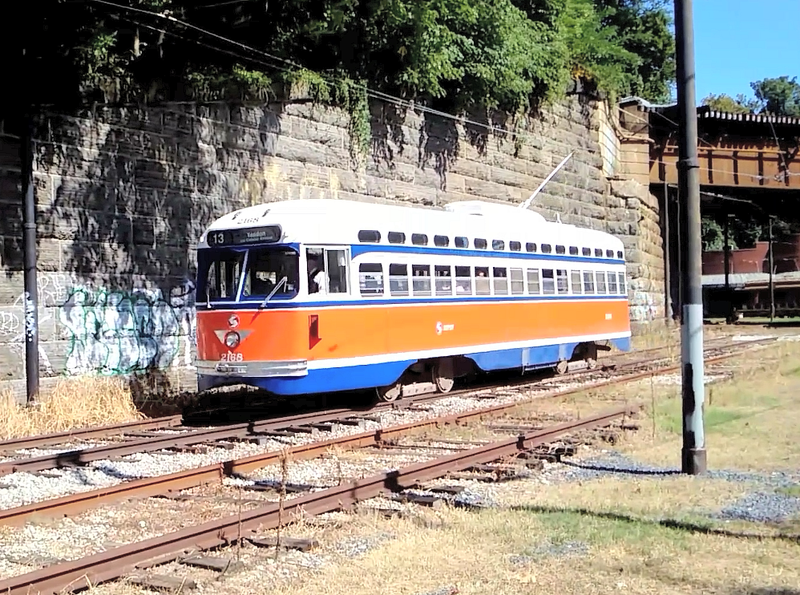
693	454
29	253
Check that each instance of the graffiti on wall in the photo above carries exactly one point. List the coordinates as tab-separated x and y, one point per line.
118	332
16	318
643	307
105	331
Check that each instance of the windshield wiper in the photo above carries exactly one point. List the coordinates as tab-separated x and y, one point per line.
283	281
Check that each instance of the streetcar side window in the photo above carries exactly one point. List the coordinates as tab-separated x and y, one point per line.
480	243
622	289
547	248
369	235
577	288
573	250
517	282
370	279
609	254
534	287
463	281
441	241
619	254
336	265
397	237
327	270
586	251
500	278
462	242
514	246
498	245
530	247
601	282
561	281
421	279
598	252
588	282
398	279
548	282
444	280
482	286
560	249
612	283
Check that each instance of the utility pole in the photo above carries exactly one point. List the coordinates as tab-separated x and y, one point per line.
693	454
771	272
31	293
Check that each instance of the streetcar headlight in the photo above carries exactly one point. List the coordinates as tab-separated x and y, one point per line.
232	339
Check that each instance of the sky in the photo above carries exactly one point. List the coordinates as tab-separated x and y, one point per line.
737	42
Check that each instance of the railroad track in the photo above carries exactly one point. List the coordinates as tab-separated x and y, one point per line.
151	427
177	438
216	472
123	560
120	561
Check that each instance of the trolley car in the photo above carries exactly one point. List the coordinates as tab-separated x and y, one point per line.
312	296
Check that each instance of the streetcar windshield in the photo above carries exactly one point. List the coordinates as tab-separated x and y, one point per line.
221	272
266	270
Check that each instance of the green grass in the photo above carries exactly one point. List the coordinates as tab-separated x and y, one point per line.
598	530
790	491
670	417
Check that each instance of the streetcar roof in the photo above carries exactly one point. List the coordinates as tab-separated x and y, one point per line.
331	221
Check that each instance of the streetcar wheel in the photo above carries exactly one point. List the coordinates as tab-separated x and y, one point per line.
443	375
390	393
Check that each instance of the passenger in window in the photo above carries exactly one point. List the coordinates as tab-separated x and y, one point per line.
316	274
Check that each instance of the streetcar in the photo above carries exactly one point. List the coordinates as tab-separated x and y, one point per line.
302	297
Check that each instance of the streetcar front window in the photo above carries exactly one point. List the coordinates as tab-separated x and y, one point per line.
219	272
271	270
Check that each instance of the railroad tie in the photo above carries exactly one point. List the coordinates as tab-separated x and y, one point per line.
289	543
217	563
162	582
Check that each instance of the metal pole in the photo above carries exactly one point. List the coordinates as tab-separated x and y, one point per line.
727	254
693	454
771	273
29	258
667	258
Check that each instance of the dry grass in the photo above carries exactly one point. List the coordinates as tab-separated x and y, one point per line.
751	424
73	403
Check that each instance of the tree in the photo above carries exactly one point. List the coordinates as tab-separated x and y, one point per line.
644	29
726	103
779	96
454	53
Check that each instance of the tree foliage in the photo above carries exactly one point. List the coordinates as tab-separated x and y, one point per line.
779	96
450	53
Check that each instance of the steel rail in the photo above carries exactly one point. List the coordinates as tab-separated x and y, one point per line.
82	456
87	433
30	442
181	480
115	563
